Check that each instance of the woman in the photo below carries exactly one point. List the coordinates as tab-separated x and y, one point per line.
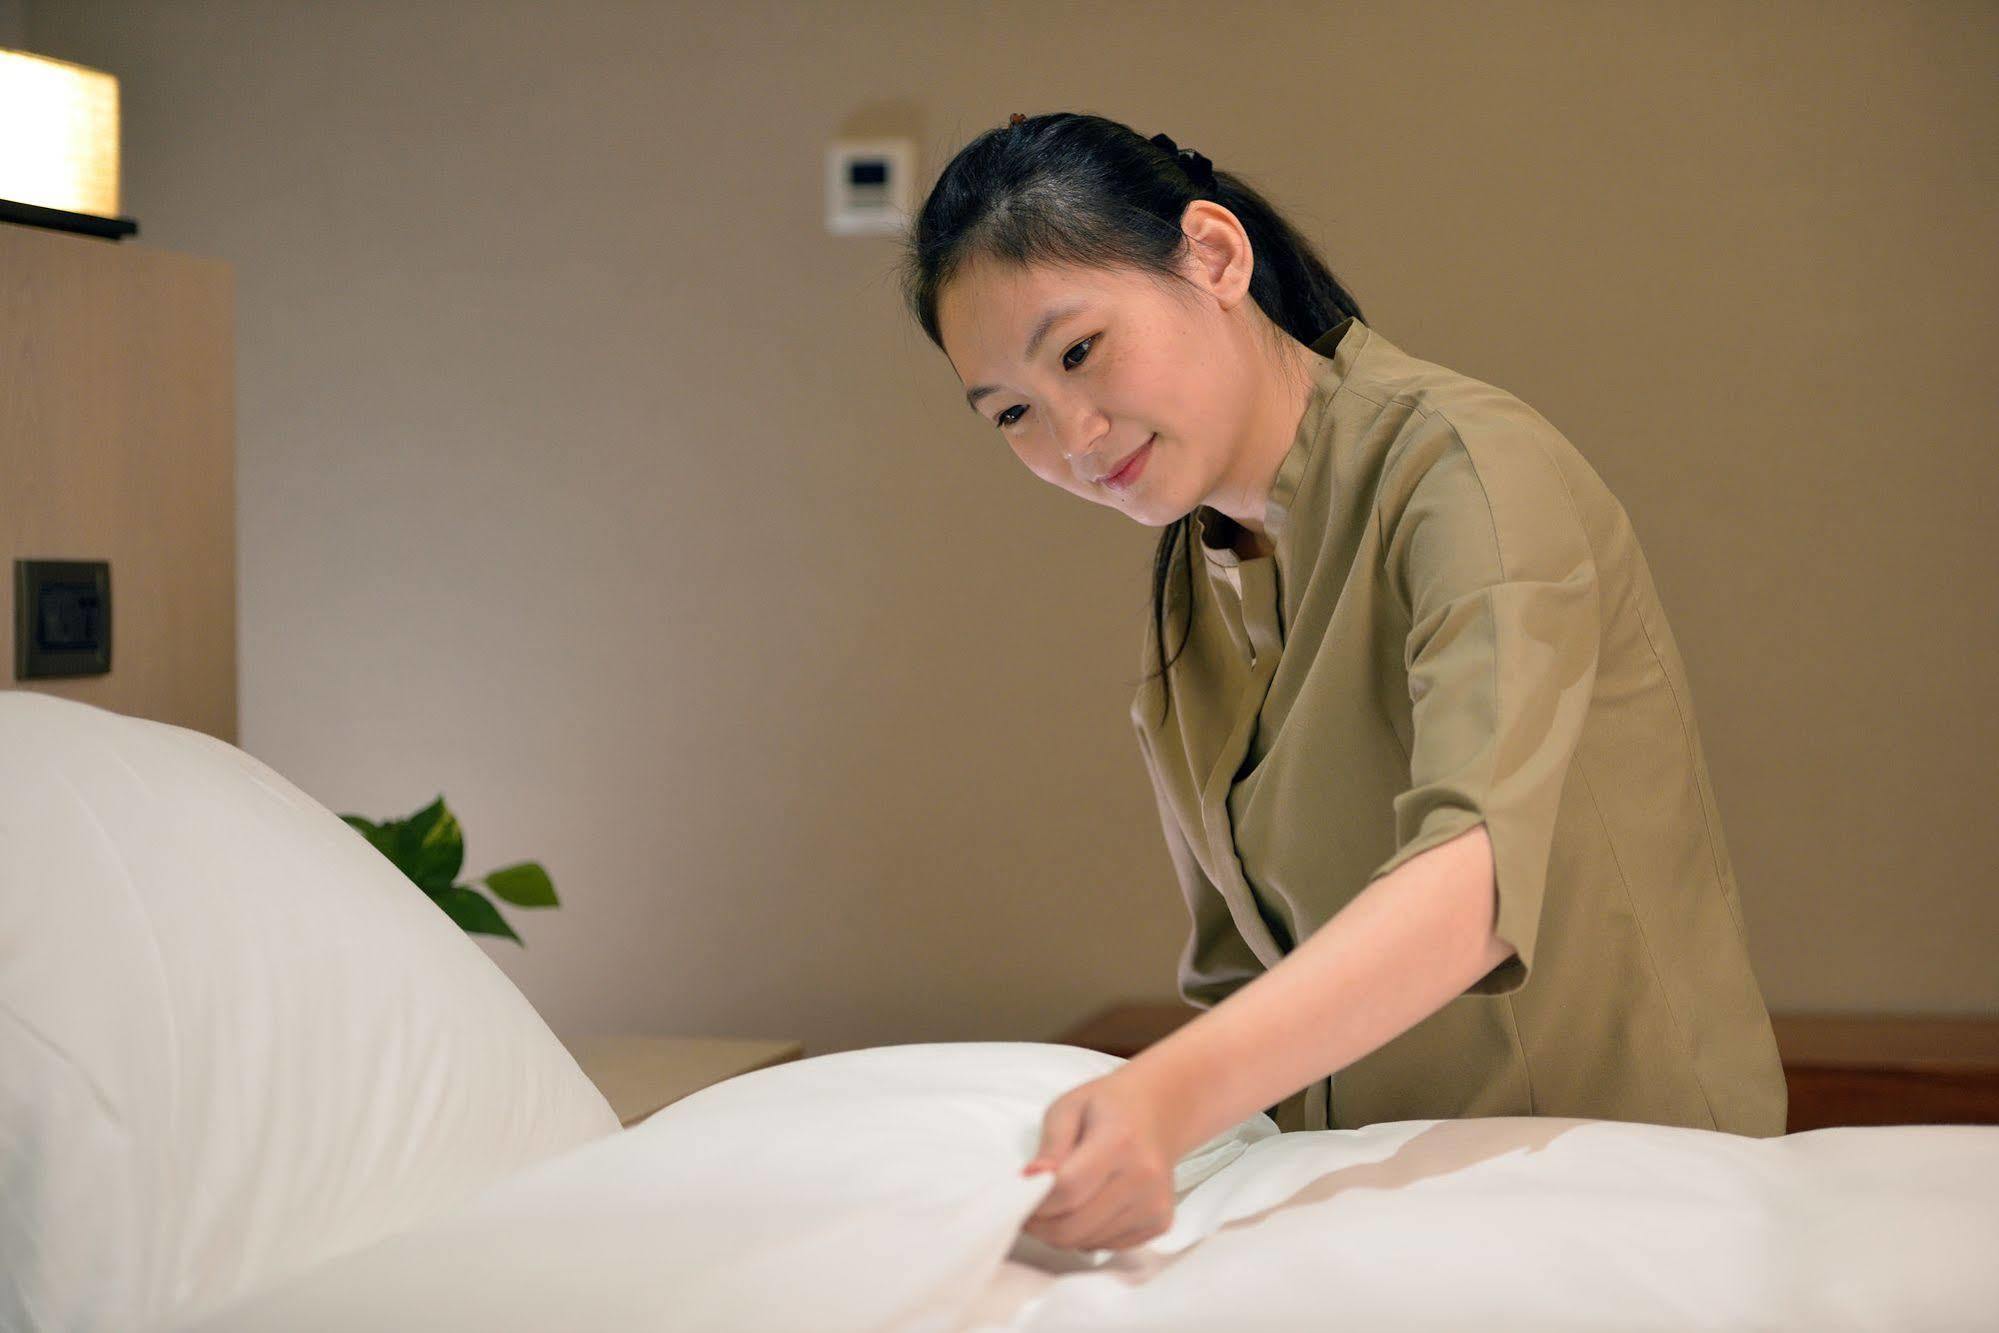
1424	754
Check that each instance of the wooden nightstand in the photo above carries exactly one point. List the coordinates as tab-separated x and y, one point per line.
638	1075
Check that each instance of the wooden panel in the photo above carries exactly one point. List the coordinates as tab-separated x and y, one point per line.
1880	1041
1873	1069
1126	1029
118	442
1841	1069
1824	1098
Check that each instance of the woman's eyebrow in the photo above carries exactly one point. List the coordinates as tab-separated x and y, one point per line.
1041	326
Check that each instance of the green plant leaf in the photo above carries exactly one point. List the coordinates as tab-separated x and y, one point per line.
431	847
473	912
382	837
525	884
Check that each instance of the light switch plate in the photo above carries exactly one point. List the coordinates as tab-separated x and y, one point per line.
62	618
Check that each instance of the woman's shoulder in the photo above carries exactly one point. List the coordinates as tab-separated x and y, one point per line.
1437	409
1459	435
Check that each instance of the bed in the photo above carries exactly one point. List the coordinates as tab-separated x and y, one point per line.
251	1079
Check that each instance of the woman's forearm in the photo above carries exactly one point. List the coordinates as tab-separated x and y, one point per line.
1406	945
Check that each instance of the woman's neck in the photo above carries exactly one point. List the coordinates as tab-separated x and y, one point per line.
1246	500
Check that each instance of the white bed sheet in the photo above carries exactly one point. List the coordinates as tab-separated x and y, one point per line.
1547	1224
880	1189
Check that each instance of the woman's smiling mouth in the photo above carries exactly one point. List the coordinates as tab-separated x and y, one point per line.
1127	472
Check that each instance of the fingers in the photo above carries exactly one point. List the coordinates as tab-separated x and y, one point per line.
1080	1184
1108	1222
1082	1174
1105	1194
1134	1238
1061	1129
1108	1188
1088	1169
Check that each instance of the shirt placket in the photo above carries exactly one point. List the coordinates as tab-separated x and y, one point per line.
1252	624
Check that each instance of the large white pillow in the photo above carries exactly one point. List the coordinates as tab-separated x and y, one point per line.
876	1189
234	1040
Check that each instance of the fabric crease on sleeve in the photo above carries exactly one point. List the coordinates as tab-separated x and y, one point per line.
1493	564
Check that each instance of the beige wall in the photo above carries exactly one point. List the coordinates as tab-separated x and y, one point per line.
584	478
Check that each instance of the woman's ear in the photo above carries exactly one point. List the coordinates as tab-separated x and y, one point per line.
1223	258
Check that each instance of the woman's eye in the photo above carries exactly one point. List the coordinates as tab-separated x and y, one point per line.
1003	420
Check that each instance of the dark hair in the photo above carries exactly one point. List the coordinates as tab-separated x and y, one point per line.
1076	189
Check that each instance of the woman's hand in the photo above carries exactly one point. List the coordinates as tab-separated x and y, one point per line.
1112	1149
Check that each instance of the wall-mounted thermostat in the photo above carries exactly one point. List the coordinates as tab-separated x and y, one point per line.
868	184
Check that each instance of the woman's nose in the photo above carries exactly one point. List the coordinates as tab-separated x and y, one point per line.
1070	453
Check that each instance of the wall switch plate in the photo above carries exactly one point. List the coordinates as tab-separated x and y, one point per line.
868	183
62	618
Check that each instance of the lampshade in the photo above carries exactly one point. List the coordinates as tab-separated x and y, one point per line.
60	145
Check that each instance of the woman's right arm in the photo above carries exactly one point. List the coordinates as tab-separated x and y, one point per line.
1408	943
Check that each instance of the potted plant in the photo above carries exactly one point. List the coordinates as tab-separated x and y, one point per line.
429	847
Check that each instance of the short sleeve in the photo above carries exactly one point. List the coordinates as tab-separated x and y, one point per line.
1216	961
1488	553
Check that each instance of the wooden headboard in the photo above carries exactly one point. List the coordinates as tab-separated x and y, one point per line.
118	443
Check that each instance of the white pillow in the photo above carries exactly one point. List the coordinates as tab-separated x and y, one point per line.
234	1040
863	1190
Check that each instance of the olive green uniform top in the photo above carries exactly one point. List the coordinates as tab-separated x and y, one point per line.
1457	627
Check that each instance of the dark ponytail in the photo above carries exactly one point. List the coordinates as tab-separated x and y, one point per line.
1074	189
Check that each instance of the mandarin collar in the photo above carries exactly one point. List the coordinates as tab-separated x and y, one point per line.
1333	354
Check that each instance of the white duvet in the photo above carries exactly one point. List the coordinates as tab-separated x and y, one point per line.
880	1189
250	1078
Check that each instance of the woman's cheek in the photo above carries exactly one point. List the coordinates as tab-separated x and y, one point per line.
1042	462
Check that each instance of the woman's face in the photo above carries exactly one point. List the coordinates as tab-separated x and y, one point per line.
1125	364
